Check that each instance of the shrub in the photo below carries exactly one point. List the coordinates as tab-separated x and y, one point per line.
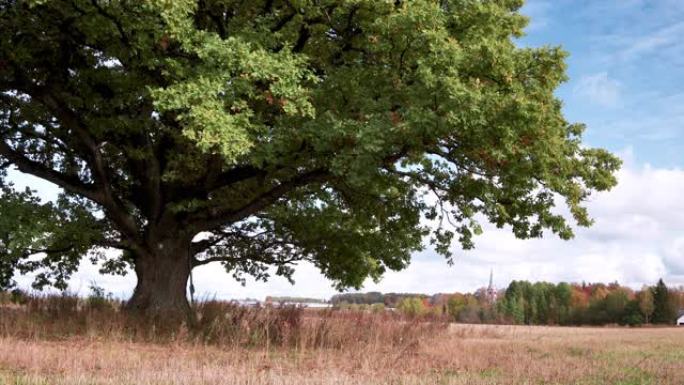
98	300
411	307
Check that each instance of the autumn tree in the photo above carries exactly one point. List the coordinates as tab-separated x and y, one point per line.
257	134
615	303
579	301
412	306
465	307
646	305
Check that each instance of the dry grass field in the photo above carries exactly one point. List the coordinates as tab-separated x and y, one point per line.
465	355
293	347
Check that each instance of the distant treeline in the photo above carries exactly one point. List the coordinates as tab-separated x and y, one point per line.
592	304
374	297
539	303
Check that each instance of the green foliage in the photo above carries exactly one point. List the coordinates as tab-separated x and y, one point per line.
616	302
321	131
538	303
645	302
664	310
562	303
514	302
62	231
373	297
545	303
632	314
411	306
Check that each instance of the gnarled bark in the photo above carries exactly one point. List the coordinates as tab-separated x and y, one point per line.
161	291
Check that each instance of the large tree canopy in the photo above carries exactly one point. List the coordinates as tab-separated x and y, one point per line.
346	133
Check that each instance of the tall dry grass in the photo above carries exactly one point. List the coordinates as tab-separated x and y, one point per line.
219	323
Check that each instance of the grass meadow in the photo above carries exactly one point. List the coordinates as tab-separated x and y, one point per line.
65	340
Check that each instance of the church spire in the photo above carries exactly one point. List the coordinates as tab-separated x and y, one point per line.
491	290
491	279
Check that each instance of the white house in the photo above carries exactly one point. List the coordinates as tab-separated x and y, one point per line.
680	318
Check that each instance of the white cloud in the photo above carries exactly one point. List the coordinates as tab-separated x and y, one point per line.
637	238
599	89
674	255
667	38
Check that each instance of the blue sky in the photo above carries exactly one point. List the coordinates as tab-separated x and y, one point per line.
626	70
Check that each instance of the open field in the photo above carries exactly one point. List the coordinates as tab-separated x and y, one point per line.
462	354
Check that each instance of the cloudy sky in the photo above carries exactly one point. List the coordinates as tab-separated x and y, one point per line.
626	71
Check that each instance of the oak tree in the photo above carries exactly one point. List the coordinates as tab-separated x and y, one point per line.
257	134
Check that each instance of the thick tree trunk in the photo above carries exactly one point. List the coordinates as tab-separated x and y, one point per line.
161	291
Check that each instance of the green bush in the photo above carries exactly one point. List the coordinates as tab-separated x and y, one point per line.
411	307
633	319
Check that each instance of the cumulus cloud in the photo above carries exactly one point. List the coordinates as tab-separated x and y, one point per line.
674	256
599	89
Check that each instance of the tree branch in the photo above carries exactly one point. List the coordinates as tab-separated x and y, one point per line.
199	262
67	182
216	216
103	195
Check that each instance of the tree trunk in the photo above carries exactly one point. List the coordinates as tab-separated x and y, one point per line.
161	291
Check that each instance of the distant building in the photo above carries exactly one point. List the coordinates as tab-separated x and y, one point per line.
491	289
680	318
247	302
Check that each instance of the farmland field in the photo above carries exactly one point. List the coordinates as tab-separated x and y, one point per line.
458	354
